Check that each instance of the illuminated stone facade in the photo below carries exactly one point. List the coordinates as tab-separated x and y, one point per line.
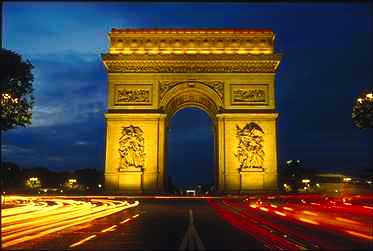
153	73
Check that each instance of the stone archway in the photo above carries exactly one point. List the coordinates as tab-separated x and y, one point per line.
227	73
178	95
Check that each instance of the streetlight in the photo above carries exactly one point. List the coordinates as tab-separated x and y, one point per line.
72	182
346	179
306	183
33	182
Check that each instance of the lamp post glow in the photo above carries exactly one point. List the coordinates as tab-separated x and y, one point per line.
346	179
33	182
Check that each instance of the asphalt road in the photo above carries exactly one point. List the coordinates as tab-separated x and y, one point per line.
156	224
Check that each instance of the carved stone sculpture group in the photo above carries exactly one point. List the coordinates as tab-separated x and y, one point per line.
250	151
131	148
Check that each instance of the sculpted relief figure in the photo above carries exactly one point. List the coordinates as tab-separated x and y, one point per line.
131	147
250	147
128	96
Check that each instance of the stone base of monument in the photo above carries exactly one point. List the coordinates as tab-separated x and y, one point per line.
130	182
252	179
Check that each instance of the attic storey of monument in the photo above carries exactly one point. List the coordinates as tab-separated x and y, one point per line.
153	73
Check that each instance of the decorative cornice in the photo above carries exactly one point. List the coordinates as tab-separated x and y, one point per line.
190	30
185	66
247	57
192	50
191	41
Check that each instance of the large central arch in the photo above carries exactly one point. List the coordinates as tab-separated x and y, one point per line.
197	94
152	74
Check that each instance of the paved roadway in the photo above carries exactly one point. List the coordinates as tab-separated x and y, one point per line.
182	224
285	222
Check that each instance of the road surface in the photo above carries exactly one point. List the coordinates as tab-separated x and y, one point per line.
255	222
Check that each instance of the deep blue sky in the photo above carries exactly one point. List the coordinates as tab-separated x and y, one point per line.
327	62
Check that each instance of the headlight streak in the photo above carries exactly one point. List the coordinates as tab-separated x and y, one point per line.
112	228
82	241
359	235
19	228
124	221
308	221
109	229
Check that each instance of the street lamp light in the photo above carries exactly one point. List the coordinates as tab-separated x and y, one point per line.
346	179
33	182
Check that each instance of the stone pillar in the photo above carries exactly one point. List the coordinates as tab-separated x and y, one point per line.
238	179
135	180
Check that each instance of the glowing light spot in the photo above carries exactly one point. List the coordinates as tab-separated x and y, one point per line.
264	209
274	206
253	206
367	207
135	216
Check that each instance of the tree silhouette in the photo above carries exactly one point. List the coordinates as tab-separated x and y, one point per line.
15	90
362	111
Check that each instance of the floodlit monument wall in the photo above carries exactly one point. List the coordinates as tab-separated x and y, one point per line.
153	73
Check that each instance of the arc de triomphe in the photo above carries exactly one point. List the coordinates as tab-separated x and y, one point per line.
153	73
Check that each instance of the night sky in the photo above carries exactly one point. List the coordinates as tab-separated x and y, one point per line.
327	61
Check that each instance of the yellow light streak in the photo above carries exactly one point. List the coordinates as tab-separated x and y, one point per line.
124	221
264	209
135	216
272	205
308	221
288	208
347	220
82	241
280	213
64	214
369	237
310	213
109	229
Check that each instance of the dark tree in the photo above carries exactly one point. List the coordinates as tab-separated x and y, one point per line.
16	90
10	176
362	111
89	177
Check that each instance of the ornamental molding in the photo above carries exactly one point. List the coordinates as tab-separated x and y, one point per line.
202	57
176	66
